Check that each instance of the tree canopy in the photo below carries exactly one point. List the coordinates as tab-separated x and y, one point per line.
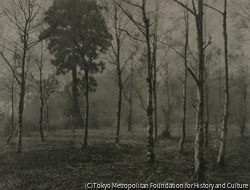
78	34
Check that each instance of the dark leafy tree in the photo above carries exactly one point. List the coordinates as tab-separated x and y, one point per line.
78	35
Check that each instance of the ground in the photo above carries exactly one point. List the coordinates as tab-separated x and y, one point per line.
59	163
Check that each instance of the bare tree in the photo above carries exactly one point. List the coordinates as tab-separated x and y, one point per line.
119	23
24	17
199	139
243	103
10	85
47	85
154	60
184	81
129	96
225	116
221	155
144	29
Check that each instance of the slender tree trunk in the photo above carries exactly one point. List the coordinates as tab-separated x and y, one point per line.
21	103
77	113
155	102
169	111
47	115
119	75
206	92
222	149
119	105
130	115
41	108
216	124
150	139
85	140
244	107
12	112
155	70
41	94
130	98
41	119
199	139
207	109
184	94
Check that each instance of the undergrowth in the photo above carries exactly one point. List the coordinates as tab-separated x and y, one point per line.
59	162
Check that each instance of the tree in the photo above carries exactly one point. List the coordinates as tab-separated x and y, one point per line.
221	155
243	90
78	35
10	87
184	81
242	18
225	116
143	26
199	138
51	86
118	30
154	60
46	85
24	17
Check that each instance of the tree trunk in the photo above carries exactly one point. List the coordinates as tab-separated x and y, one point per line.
47	115
130	114
150	140
207	108
130	99
77	113
169	109
119	105
41	98
12	112
155	70
184	95
244	107
155	106
41	119
85	140
221	156
199	139
21	104
41	111
119	76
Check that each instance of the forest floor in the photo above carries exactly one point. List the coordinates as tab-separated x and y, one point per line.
59	163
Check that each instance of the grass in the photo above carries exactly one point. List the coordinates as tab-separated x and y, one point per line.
58	163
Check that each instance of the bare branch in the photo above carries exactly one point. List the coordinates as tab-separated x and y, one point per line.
180	3
138	25
193	75
172	48
142	101
212	8
130	35
209	42
125	81
12	69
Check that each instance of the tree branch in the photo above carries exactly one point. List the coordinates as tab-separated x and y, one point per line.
191	11
212	8
209	42
193	75
142	102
